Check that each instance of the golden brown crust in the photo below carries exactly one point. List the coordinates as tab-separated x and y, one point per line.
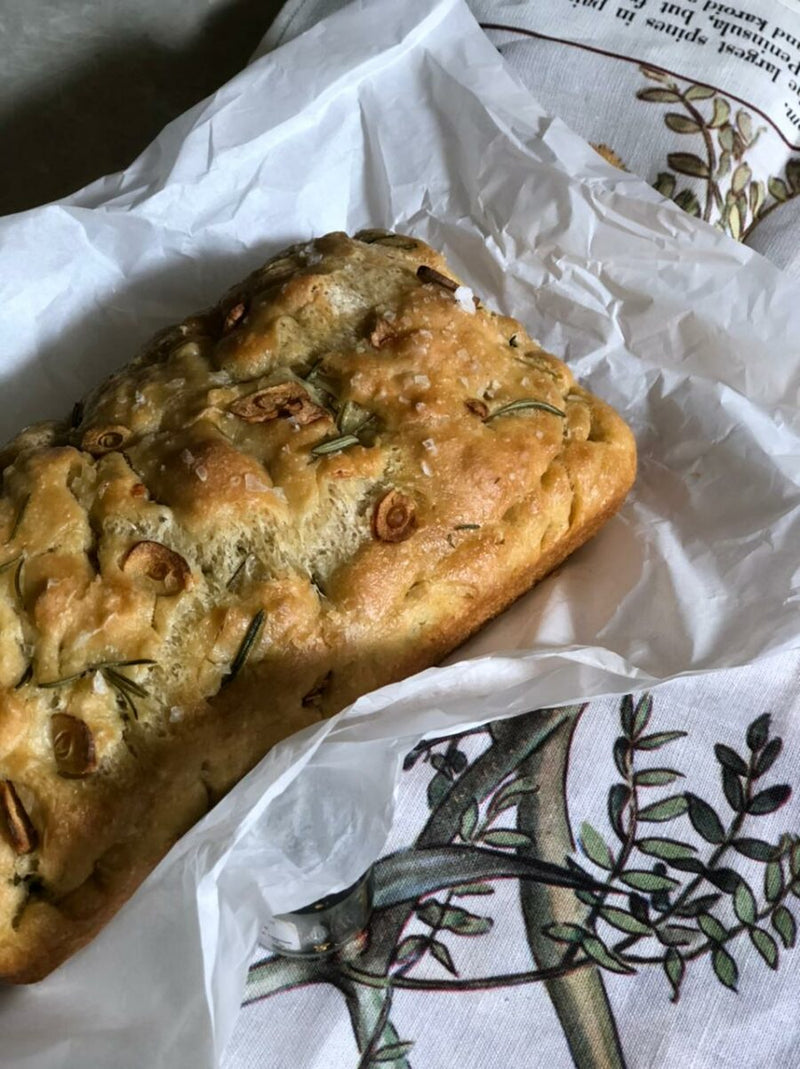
323	484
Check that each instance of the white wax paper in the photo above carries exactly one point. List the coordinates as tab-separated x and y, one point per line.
403	115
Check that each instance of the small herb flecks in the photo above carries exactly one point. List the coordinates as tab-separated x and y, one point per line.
522	405
512	341
467	527
334	445
244	649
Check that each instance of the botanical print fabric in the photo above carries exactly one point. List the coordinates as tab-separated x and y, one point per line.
613	884
699	97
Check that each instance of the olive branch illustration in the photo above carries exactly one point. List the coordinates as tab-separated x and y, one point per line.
648	901
726	140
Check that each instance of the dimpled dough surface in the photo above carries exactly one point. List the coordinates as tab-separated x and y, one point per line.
311	490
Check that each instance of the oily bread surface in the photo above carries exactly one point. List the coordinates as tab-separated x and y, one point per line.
311	490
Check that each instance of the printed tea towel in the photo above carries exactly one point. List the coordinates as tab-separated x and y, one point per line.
700	97
681	805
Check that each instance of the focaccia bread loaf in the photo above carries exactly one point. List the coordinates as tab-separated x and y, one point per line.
323	484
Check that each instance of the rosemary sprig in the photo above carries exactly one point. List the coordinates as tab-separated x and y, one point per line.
101	666
125	688
244	649
334	445
523	404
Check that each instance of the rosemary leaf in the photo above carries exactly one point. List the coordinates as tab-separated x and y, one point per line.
121	682
522	405
127	700
18	579
51	683
244	650
230	584
24	678
120	664
18	517
334	445
467	527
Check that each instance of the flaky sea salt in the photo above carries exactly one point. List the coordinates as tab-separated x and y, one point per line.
201	473
99	685
466	299
175	714
426	468
187	458
254	484
422	380
430	445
